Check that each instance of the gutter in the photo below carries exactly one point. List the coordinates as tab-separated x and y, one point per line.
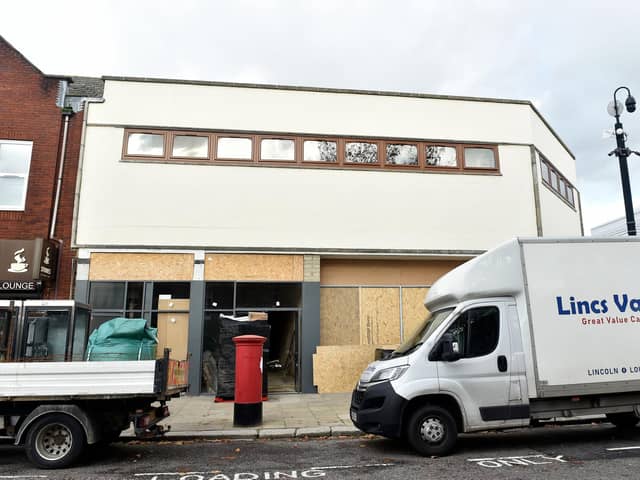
63	150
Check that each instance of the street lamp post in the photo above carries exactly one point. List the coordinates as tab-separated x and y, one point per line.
622	152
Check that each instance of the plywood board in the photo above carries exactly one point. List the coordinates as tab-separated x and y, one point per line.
379	316
141	266
276	268
337	368
413	309
339	316
173	333
384	272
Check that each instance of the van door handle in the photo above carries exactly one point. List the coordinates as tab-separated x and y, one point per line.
502	363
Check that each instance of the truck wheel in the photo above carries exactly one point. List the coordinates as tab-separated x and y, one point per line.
432	431
623	420
55	441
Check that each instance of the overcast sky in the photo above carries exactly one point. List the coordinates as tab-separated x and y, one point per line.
565	56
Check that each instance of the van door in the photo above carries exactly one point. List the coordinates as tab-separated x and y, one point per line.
480	376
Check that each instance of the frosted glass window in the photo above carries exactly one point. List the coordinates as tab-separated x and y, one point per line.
399	154
570	195
554	180
190	146
479	158
151	144
15	161
361	152
438	156
545	171
277	149
320	151
234	148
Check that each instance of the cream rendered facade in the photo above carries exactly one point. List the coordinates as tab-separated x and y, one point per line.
296	225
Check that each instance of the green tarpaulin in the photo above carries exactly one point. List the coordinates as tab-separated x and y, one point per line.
123	339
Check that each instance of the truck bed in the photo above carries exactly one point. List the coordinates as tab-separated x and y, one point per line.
32	380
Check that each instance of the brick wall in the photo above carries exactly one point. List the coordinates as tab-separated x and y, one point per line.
28	111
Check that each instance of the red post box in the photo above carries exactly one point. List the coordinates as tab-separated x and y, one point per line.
247	409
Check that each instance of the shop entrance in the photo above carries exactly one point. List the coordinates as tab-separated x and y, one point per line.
282	304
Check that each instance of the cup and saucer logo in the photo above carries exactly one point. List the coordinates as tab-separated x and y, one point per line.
20	265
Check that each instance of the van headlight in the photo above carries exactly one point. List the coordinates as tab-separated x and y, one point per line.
389	374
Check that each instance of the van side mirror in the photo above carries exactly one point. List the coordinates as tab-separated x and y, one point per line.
450	348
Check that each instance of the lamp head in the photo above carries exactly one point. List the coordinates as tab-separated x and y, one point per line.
630	103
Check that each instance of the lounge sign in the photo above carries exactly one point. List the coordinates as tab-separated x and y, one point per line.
25	263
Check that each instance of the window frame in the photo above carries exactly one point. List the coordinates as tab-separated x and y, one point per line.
319	139
567	198
296	147
343	151
174	134
133	156
494	148
241	161
256	139
22	205
385	144
444	168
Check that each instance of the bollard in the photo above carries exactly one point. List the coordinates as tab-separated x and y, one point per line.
247	409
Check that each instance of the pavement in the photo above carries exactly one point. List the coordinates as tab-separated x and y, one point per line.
283	416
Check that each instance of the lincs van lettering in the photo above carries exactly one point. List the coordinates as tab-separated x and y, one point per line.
581	307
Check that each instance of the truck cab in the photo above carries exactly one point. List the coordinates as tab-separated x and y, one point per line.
465	362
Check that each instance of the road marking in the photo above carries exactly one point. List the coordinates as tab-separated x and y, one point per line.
523	460
623	448
23	476
345	467
312	472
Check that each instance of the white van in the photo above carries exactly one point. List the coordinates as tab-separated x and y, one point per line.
533	329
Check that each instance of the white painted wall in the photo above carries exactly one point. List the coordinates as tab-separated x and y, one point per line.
181	205
233	108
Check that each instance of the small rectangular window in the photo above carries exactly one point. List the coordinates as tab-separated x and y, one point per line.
190	146
563	188
15	162
276	149
234	148
361	152
402	154
438	156
320	151
479	158
570	195
554	179
148	144
544	169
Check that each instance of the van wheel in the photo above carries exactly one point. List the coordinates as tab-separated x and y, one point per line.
432	431
623	420
55	441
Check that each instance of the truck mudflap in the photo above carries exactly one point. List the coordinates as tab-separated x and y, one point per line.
378	410
145	422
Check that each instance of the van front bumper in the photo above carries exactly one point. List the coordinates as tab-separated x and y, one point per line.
378	410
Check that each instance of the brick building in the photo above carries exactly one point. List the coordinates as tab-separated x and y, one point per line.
39	149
